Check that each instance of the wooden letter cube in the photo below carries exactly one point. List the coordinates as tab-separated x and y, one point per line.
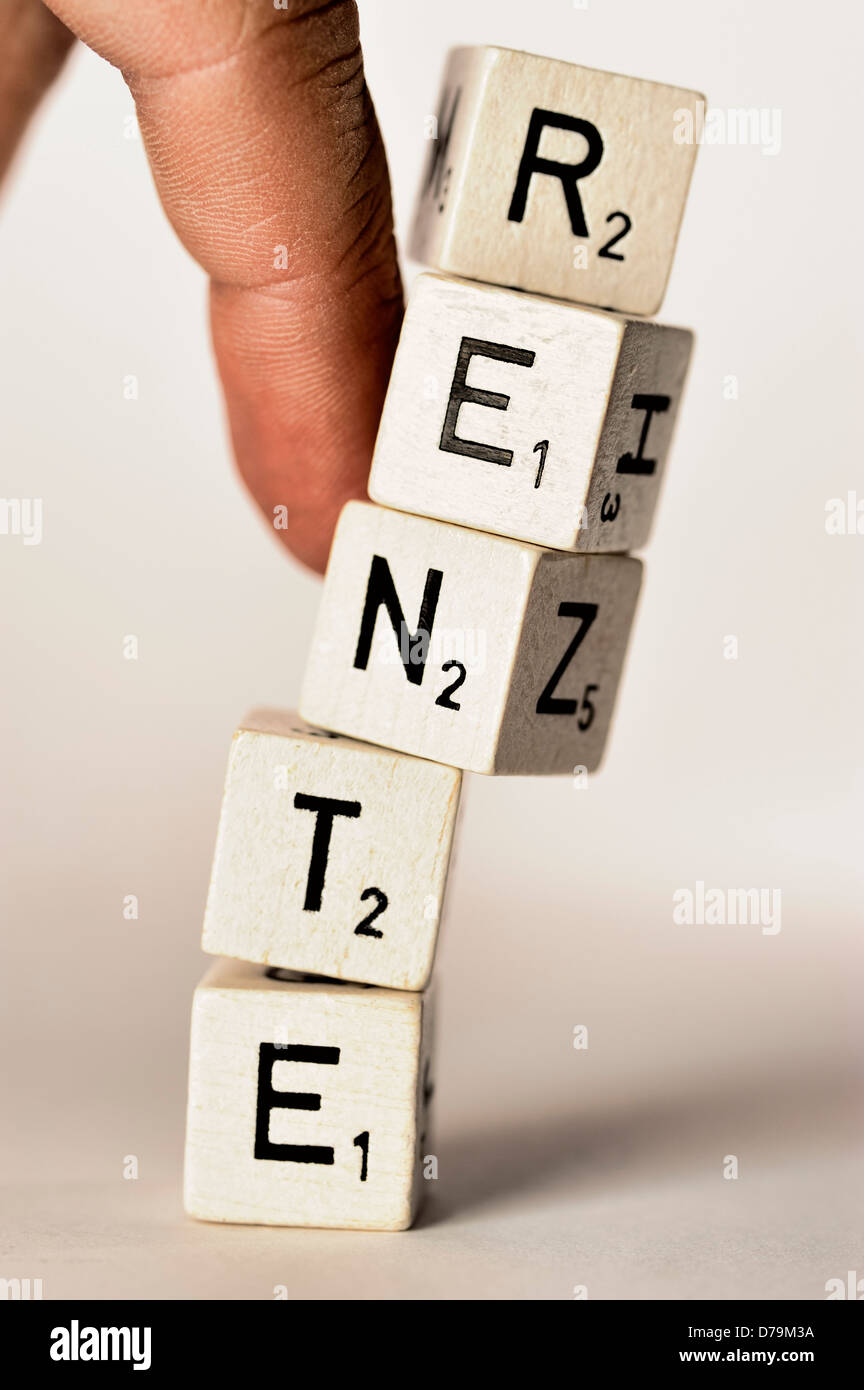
557	179
331	855
528	417
485	653
308	1101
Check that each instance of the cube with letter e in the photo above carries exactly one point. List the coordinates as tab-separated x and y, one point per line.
308	1100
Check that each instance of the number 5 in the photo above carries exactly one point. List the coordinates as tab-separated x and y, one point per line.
586	718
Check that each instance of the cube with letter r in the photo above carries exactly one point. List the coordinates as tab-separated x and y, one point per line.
558	179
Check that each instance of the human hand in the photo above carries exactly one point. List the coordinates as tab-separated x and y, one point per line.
268	160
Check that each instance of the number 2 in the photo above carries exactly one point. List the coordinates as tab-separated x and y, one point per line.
365	927
606	250
444	698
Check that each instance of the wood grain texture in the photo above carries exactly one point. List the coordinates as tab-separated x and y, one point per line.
370	1075
539	681
331	855
625	133
523	416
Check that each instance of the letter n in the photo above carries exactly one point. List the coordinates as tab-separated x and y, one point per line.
381	593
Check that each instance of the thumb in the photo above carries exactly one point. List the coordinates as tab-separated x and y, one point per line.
268	160
33	45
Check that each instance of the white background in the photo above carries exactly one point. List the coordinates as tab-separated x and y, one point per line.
558	1167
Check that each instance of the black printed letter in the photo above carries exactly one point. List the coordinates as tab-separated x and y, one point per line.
549	703
637	463
413	646
268	1100
460	392
569	174
325	808
441	143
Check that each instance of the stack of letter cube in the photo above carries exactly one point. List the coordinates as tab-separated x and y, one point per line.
475	619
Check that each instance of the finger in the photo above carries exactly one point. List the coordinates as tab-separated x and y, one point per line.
33	44
267	157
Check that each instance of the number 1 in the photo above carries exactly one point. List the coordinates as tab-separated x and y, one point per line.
362	1143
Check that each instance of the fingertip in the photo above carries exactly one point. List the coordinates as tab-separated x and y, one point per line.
304	384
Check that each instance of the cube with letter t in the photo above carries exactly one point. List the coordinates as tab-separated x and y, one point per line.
488	654
331	855
308	1100
557	179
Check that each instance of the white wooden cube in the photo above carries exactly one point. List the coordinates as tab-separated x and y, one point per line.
308	1100
484	653
528	417
331	855
557	179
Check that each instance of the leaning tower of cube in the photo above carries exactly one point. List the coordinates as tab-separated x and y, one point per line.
475	618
